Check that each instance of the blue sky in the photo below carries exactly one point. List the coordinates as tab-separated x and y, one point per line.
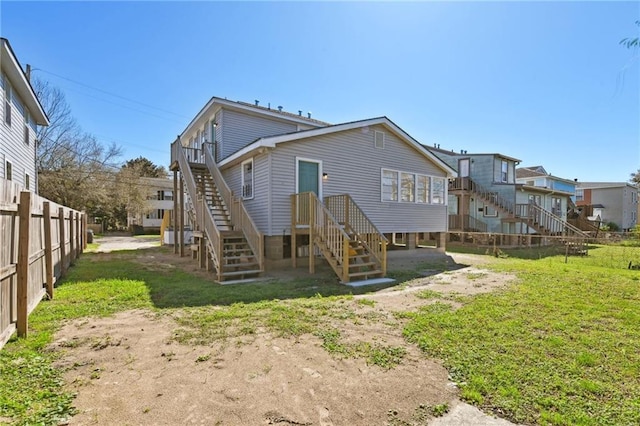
545	82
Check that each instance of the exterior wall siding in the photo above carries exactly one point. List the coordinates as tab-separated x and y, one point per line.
12	141
239	130
258	206
353	166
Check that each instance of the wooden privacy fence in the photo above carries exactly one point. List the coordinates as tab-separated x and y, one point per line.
39	240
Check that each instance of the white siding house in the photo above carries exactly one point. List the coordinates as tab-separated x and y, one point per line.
20	113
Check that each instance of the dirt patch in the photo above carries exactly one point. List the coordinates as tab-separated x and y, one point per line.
127	369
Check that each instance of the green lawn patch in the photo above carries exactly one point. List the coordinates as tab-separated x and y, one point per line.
560	347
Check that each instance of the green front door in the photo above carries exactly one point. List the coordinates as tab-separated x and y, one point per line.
308	173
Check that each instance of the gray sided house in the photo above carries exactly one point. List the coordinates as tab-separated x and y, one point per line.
486	197
309	187
20	112
613	202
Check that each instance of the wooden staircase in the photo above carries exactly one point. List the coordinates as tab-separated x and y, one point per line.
347	239
224	235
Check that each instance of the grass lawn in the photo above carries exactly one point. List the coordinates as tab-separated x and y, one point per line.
562	346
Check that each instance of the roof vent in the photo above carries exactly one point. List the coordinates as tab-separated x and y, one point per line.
257	102
309	114
269	105
280	108
300	112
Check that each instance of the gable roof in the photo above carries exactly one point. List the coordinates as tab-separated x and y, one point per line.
527	173
254	109
465	154
272	141
20	83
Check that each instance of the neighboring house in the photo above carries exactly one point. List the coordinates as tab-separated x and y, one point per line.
487	196
368	179
538	177
615	202
20	112
160	201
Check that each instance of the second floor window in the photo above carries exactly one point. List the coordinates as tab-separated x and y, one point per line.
7	102
504	171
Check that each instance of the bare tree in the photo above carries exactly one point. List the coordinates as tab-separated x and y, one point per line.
74	168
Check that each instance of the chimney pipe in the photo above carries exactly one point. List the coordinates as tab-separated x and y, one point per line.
269	105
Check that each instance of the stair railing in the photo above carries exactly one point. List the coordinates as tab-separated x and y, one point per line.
204	218
308	210
345	210
467	184
238	215
539	218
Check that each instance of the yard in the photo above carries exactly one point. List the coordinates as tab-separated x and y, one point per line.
142	337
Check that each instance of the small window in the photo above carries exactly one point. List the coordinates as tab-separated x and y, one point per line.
168	195
504	171
26	127
389	185
7	102
379	140
579	194
27	181
247	179
8	172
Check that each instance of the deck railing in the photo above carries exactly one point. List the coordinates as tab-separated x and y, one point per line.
356	222
308	211
238	214
466	223
493	197
546	220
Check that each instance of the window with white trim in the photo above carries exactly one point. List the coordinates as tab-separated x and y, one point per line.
389	185
378	139
422	189
407	187
504	171
579	195
437	190
7	102
247	179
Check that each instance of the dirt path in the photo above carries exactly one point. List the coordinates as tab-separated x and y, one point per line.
126	369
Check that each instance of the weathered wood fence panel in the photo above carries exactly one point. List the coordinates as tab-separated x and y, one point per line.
39	240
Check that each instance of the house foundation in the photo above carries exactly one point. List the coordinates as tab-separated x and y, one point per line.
274	247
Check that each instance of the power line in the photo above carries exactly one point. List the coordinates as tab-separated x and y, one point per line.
111	94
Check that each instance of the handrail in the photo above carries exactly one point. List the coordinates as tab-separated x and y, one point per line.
203	215
355	221
548	220
238	214
466	183
309	211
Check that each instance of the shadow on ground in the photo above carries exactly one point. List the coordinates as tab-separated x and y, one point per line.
174	282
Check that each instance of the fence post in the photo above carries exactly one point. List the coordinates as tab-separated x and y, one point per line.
84	231
48	254
72	239
78	235
181	235
176	211
63	242
24	212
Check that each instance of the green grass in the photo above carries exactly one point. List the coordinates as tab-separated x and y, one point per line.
560	347
103	284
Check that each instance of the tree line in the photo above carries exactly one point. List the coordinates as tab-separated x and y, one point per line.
75	169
